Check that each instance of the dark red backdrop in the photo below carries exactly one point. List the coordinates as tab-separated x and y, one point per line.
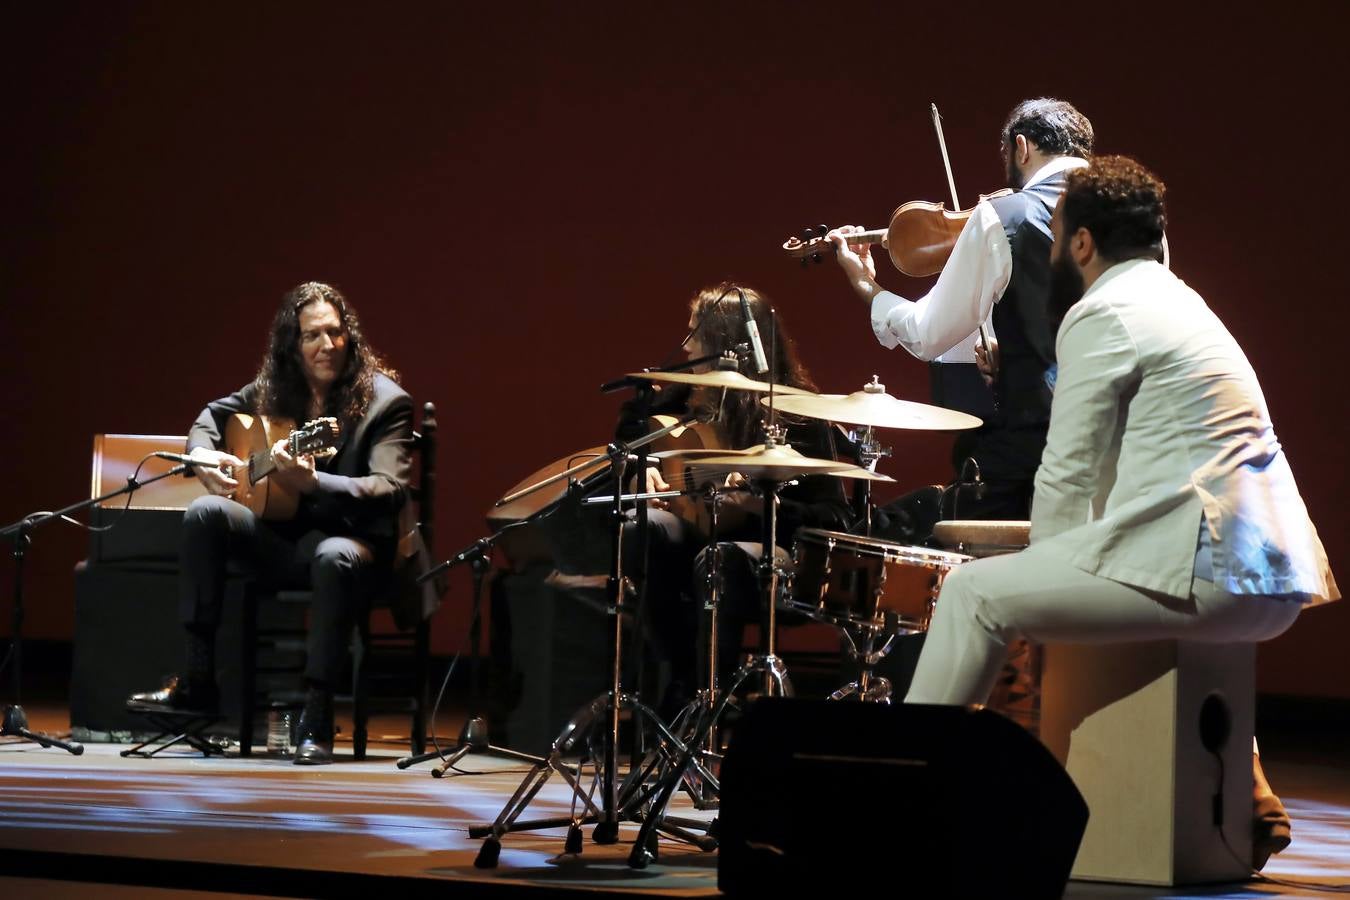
520	200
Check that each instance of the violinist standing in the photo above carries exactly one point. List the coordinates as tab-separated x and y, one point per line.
999	273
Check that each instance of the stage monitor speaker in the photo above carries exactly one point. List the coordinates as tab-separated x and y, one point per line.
923	801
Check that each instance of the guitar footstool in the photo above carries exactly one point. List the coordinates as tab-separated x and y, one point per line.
175	728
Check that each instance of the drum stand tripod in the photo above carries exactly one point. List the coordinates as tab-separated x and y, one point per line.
705	716
599	718
866	651
867	687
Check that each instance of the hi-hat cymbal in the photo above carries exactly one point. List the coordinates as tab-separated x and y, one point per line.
861	473
873	406
780	460
718	378
846	470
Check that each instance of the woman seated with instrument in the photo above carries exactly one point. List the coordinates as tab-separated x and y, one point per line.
717	325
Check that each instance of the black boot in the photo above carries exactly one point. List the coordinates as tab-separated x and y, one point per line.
316	729
181	695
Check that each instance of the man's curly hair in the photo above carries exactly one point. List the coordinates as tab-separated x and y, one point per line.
1120	203
283	391
1054	126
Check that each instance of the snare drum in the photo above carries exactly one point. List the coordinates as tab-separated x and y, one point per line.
864	582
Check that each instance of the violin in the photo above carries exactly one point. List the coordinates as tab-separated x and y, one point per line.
919	239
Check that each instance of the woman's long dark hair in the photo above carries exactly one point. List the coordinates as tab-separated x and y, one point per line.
720	326
283	391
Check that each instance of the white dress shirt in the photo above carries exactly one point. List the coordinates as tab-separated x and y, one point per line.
942	325
1159	425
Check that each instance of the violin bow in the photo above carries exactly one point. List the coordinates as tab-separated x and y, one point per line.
956	207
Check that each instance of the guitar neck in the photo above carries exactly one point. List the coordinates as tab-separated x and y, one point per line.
260	465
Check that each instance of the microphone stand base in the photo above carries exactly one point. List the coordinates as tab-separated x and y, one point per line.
16	725
473	738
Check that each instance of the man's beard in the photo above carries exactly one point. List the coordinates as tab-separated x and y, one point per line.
1066	288
1016	180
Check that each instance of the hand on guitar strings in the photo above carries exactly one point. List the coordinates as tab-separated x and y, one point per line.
294	472
740	495
656	482
217	481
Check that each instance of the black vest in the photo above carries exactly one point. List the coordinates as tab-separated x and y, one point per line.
1026	341
1026	338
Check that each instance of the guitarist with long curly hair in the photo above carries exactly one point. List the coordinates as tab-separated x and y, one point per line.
342	515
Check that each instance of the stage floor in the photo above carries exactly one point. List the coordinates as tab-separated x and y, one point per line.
261	826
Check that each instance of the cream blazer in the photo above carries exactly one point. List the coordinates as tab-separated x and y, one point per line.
1158	423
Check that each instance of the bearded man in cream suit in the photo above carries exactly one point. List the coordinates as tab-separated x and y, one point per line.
1164	506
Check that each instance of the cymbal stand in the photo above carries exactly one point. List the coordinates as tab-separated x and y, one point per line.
766	663
870	451
702	786
600	718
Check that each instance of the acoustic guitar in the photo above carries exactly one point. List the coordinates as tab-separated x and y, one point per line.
679	473
250	438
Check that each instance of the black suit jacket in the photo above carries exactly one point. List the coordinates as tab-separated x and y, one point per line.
363	490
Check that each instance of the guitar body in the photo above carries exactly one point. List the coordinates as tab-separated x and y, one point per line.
677	472
251	438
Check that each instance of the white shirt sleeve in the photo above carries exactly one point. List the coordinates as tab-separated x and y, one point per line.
974	278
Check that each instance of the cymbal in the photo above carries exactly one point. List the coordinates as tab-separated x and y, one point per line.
718	378
861	474
847	470
779	460
878	409
695	453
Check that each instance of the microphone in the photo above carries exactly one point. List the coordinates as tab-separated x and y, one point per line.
185	460
977	483
761	363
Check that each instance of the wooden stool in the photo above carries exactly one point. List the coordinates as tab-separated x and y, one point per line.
1124	719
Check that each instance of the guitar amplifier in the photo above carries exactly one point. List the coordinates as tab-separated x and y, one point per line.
145	524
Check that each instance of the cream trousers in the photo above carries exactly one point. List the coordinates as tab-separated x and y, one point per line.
986	603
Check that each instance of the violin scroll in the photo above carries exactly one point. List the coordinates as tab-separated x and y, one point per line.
811	246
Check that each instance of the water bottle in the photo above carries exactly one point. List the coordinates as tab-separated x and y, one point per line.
279	731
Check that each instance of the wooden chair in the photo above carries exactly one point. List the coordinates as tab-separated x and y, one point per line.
389	665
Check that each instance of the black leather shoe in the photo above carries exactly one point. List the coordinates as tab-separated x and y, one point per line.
313	753
315	734
179	695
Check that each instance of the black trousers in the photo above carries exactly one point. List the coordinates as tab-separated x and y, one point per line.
342	572
1008	458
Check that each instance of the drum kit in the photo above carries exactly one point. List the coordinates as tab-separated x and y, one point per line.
871	590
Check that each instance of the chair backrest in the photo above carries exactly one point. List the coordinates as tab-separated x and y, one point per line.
148	521
424	492
117	455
